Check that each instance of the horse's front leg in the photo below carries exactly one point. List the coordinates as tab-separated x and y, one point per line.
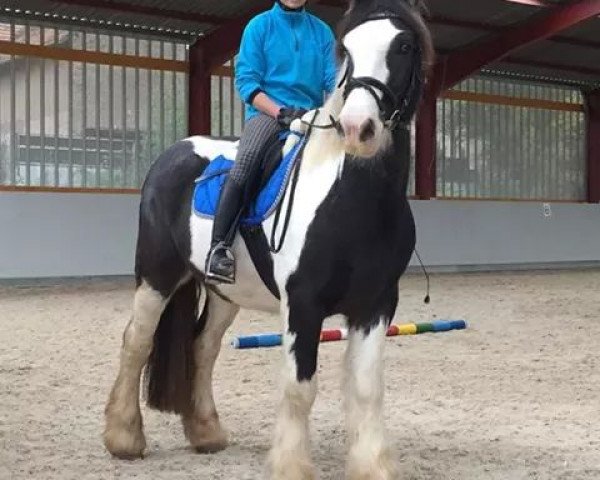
290	455
369	457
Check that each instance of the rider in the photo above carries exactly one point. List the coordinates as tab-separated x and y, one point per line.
286	65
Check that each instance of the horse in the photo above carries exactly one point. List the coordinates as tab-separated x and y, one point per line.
348	239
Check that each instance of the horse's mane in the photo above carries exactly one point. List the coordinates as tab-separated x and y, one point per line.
409	11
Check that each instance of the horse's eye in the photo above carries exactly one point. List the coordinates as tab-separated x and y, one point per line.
404	49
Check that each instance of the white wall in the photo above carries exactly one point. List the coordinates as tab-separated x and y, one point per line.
66	235
473	233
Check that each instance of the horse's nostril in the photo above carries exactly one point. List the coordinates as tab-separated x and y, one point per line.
367	130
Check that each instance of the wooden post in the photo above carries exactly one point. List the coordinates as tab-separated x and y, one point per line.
425	155
592	101
199	91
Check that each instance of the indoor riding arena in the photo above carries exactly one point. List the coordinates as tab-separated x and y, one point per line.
505	191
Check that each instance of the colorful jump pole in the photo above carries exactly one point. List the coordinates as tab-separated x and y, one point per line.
274	339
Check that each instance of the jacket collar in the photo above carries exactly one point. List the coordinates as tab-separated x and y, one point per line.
279	9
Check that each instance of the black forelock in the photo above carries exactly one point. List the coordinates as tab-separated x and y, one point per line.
360	10
407	15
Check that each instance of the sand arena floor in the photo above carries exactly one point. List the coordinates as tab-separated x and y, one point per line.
516	396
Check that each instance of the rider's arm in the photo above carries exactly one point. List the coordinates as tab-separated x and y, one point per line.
263	103
250	69
330	73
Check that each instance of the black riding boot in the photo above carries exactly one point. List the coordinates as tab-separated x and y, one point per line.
220	262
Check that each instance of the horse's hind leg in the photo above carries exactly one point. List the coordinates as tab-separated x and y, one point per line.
201	425
123	435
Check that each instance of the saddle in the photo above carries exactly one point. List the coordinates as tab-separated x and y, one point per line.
265	187
265	191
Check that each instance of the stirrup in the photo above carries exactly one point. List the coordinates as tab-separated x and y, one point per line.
214	277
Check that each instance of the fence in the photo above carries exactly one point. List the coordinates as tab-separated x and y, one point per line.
86	108
506	139
497	138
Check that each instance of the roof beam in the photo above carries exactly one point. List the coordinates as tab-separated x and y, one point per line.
481	26
223	42
459	65
209	52
123	7
490	27
578	69
553	66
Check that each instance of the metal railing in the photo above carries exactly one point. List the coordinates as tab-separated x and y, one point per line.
86	108
504	139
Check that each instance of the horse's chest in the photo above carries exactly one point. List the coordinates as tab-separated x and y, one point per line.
357	245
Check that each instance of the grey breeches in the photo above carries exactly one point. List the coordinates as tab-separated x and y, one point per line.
257	132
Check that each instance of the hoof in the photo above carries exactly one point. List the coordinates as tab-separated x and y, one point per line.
291	467
124	444
211	447
205	436
380	468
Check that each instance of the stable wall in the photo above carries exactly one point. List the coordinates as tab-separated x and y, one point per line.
478	235
72	235
67	234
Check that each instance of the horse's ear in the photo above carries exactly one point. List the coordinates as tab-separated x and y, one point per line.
351	6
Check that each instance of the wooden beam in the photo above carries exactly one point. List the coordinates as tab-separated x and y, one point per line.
553	66
223	71
509	199
199	107
426	147
123	7
508	101
208	55
35	189
461	64
592	100
222	43
84	56
493	28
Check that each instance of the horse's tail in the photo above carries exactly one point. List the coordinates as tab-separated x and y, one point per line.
170	369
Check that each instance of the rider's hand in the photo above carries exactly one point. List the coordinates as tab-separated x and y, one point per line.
287	115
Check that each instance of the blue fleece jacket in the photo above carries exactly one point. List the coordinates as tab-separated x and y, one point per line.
290	56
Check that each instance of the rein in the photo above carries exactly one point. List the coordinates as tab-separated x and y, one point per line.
275	246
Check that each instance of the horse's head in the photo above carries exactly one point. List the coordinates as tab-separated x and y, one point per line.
385	47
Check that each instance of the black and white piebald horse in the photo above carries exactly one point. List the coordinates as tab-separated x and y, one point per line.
349	238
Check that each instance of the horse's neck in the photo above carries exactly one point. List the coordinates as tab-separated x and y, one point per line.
325	145
396	160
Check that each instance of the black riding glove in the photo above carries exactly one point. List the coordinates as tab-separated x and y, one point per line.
287	115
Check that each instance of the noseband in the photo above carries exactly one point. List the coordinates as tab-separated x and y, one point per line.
391	107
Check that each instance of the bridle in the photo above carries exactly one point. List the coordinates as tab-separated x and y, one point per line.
392	108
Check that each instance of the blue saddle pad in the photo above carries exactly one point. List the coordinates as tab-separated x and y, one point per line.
209	185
